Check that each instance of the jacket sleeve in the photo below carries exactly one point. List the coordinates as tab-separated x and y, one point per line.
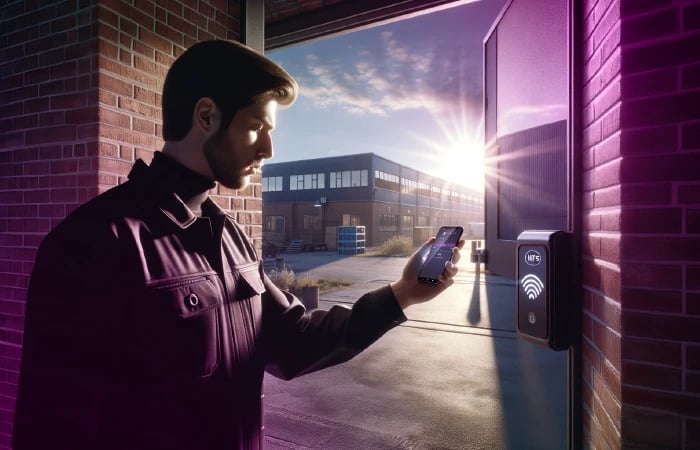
299	342
66	359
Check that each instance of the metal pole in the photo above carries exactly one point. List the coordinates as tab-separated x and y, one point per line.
252	19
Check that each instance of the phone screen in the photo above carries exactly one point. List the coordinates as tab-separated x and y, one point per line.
440	252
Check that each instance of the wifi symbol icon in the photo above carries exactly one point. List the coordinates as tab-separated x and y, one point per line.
532	286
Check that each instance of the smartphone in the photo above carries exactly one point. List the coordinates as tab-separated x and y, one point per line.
440	252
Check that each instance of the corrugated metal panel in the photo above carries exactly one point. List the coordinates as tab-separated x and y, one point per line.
532	187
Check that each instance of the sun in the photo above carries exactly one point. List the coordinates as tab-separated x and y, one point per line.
457	152
463	163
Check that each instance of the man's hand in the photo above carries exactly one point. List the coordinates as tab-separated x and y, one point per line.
409	291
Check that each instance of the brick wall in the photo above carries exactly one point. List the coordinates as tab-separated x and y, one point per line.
660	119
601	101
47	152
80	85
642	241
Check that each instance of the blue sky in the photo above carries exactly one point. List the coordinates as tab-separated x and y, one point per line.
410	91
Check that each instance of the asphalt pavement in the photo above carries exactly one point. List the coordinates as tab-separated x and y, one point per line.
454	376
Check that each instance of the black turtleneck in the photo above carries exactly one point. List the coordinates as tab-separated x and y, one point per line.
190	186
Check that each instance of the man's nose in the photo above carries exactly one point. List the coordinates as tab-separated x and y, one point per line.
266	148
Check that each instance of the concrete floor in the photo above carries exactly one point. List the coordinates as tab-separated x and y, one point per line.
455	376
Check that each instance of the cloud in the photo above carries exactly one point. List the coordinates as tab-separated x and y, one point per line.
393	75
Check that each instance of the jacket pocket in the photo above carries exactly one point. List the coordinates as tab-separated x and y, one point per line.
182	325
247	281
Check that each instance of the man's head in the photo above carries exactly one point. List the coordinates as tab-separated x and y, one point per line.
231	74
220	100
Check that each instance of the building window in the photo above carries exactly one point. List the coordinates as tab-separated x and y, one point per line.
271	184
423	221
274	224
349	178
423	189
406	223
351	220
408	186
386	180
388	222
311	223
307	181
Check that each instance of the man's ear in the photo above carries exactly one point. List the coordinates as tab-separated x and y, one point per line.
206	116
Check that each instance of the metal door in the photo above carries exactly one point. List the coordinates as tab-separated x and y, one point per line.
526	118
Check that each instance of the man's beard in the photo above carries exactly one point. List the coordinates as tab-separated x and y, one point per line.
222	162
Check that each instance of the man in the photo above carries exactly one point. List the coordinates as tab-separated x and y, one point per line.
150	321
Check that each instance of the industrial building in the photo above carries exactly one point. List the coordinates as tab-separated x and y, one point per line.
308	199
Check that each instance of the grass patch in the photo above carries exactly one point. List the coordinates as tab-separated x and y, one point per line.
328	285
287	280
394	246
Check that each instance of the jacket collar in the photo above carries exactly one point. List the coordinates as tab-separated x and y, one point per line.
167	200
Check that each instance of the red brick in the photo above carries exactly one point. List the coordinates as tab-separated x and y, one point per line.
652	220
669	167
689	193
610	221
666	53
69	101
28	225
115	85
592	221
692	276
114	166
52	118
654	26
661	110
660	249
657	326
140	108
143	126
606	150
51	134
192	16
81	115
144	50
610	248
653	300
608	342
690	76
651	376
64	166
692	382
106	44
690	136
114	118
592	354
691	18
661	139
603	176
647	194
64	195
607	399
651	429
52	211
692	303
692	221
676	403
172	35
653	351
692	357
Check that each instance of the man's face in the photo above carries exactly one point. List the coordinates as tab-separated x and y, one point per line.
237	152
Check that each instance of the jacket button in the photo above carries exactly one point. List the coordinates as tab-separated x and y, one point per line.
192	300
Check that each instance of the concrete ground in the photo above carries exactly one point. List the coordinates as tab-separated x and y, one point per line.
454	376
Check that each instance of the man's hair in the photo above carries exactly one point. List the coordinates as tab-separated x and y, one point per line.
232	75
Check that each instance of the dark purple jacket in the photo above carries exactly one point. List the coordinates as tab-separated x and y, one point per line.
150	328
